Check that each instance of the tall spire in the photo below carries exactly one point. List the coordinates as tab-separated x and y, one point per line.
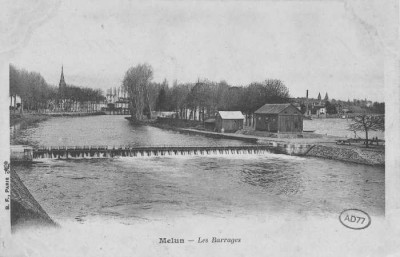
326	98
62	81
62	85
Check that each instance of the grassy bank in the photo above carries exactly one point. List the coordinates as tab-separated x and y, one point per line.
26	118
30	118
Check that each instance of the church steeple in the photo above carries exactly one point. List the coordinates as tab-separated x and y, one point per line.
326	98
62	81
62	85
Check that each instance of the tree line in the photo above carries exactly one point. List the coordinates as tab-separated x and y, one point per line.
198	100
36	94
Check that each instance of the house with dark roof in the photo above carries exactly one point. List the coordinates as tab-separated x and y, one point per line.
279	118
229	121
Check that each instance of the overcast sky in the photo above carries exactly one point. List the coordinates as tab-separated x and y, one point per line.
329	46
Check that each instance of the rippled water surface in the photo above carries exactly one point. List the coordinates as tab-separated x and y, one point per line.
215	185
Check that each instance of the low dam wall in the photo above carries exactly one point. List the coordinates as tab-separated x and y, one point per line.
349	154
218	135
127	151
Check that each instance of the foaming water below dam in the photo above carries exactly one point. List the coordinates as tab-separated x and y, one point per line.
211	185
113	152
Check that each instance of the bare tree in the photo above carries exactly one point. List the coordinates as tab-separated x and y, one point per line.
367	123
136	82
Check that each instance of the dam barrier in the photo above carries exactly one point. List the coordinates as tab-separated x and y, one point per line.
87	152
22	153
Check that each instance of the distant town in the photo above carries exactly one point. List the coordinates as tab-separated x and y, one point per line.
200	100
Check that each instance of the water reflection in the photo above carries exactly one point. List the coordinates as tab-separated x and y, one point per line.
105	130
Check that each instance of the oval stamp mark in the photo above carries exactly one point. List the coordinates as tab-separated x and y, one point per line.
355	219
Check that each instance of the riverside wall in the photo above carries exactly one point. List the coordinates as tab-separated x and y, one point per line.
333	152
314	149
25	210
348	154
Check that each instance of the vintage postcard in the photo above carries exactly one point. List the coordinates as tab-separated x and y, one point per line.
195	128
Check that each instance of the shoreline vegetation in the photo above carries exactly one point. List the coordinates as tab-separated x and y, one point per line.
34	117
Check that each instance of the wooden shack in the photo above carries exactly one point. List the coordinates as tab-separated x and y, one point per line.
229	121
209	124
278	118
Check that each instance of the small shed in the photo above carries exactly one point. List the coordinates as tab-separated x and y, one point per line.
278	118
209	124
229	121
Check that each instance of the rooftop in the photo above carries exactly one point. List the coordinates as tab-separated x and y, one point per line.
231	115
272	108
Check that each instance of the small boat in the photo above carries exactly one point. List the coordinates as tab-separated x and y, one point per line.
308	131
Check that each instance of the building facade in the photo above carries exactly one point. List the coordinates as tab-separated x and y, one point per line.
229	121
278	118
117	101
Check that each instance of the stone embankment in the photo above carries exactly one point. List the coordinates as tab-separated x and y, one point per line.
356	155
25	210
74	114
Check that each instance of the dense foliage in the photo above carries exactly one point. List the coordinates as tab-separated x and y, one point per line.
137	83
36	94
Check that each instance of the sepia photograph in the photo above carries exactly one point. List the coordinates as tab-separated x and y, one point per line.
194	128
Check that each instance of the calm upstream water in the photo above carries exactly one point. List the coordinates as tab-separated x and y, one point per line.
337	127
214	185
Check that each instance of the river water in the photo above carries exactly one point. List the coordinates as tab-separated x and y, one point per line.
337	127
181	186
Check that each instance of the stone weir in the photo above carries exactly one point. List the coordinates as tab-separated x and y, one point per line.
29	154
129	151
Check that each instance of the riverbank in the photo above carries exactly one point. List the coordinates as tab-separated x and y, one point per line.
349	154
25	210
31	118
74	114
302	144
26	119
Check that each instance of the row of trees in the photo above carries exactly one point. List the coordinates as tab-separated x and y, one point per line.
36	94
31	87
201	99
359	106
